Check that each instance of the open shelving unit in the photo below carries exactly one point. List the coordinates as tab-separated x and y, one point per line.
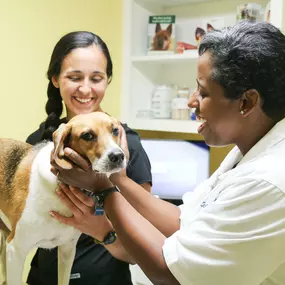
142	72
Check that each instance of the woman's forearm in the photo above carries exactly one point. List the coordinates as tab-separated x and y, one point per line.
140	239
118	251
99	229
163	215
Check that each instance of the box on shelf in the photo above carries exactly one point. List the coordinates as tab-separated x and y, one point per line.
161	34
190	31
249	11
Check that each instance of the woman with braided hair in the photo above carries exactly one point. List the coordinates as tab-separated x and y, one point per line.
79	72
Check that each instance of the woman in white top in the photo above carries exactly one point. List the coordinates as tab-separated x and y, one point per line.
231	230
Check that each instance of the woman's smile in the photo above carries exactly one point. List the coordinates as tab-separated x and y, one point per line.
203	124
83	100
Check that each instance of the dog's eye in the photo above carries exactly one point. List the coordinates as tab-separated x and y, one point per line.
88	136
115	132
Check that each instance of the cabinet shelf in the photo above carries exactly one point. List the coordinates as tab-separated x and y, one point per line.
167	58
179	126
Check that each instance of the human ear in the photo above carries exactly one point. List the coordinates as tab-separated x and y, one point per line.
249	101
54	82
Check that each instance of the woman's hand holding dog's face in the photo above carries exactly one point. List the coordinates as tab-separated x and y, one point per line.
81	174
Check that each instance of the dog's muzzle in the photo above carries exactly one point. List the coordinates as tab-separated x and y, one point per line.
116	156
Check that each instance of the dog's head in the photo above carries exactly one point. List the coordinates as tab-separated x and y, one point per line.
95	136
162	38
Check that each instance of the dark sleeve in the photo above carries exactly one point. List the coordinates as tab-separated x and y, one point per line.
139	167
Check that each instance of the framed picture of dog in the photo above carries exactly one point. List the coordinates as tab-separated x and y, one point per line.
161	34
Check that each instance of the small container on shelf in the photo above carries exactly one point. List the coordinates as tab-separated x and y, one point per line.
249	11
180	109
193	114
144	114
161	102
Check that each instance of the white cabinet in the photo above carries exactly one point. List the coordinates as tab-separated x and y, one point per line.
141	73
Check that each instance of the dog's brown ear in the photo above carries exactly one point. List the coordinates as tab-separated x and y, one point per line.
169	29
59	137
157	28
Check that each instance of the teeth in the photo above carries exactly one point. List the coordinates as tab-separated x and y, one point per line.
83	100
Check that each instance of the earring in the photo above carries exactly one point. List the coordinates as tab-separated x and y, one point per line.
241	112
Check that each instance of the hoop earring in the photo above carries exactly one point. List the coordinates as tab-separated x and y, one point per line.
241	112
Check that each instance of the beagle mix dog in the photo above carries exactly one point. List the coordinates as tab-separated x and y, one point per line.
28	190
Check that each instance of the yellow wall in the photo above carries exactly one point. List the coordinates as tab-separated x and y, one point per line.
29	30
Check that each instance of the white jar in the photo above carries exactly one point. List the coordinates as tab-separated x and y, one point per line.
180	109
161	102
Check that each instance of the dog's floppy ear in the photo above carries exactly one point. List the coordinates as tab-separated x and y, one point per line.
169	29
157	28
59	137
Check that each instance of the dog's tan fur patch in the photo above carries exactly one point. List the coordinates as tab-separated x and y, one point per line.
15	167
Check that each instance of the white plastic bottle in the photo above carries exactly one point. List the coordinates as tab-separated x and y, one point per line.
180	109
161	102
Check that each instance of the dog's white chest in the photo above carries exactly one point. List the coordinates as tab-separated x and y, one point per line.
36	223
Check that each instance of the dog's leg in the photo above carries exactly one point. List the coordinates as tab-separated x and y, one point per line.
16	255
66	254
3	238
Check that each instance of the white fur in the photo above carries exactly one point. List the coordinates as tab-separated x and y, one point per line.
36	228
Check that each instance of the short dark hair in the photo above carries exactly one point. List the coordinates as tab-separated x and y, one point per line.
64	46
249	56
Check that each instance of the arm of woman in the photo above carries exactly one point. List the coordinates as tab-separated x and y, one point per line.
141	239
163	215
83	219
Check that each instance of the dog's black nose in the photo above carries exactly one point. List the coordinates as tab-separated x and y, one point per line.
160	43
116	156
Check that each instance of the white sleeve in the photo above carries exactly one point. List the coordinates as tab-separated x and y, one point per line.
237	238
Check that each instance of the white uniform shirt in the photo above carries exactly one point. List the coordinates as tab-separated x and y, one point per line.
232	228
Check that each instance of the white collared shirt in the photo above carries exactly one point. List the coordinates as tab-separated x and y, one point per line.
233	225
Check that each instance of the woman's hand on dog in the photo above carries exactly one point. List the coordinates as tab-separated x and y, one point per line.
82	208
84	179
81	174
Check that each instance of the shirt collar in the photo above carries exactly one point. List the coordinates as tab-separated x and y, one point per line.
235	157
273	137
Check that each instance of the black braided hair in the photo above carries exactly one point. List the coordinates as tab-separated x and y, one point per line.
54	110
64	46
